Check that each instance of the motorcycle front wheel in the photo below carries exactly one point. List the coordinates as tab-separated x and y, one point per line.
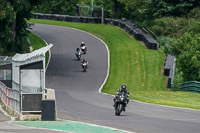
118	110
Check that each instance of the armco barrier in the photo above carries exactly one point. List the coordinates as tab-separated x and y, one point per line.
169	68
193	86
133	29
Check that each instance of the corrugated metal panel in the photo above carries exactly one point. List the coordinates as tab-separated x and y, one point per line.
24	57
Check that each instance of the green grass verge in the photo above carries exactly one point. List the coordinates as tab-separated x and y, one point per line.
37	43
132	64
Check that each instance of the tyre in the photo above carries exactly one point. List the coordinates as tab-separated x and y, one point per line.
119	109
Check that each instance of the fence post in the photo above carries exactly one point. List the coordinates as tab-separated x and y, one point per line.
102	15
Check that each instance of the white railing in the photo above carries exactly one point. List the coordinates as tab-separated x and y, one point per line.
10	97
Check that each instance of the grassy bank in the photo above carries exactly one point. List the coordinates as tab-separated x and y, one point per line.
36	43
132	64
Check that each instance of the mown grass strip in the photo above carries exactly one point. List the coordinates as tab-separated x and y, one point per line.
37	43
132	64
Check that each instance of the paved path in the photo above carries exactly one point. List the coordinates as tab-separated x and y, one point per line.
77	92
10	128
7	127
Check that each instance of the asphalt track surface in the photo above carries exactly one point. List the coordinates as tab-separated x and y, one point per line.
7	127
77	92
10	128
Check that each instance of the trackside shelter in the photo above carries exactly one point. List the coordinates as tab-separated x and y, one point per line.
28	81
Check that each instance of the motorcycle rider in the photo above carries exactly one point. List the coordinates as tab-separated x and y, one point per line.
122	89
77	50
78	53
82	44
83	62
83	47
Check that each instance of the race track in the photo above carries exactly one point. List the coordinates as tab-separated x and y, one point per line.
77	92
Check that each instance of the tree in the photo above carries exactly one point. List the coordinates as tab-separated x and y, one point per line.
173	27
6	35
22	9
187	52
57	7
2	9
160	8
13	25
146	10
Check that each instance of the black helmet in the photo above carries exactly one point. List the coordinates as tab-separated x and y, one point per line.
123	87
77	49
83	60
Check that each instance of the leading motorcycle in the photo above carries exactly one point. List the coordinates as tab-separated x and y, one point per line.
120	103
84	49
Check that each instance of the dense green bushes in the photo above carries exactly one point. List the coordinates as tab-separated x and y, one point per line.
182	35
57	7
6	19
187	51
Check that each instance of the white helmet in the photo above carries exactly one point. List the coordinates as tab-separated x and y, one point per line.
82	42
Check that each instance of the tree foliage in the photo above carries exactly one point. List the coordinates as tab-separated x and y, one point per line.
2	9
160	8
173	27
57	7
13	33
6	19
187	51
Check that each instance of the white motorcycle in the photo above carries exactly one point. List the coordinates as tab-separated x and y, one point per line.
84	49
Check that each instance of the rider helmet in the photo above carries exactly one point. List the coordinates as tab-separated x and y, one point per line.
123	87
83	60
82	42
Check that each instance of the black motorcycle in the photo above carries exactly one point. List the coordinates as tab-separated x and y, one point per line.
120	103
78	54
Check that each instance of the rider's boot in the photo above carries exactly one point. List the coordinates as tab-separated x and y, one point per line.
114	104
